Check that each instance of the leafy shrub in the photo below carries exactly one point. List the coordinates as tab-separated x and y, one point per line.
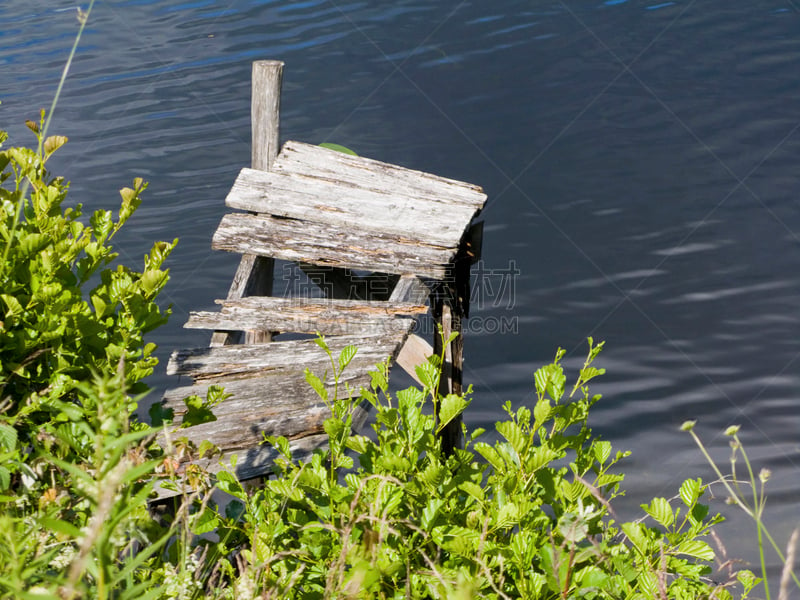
65	314
72	503
526	517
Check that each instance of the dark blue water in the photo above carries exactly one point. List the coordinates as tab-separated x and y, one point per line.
641	161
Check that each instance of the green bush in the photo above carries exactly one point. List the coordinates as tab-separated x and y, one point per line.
528	516
65	313
72	354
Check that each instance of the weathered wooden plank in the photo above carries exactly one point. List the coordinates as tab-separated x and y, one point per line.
280	357
309	315
265	392
333	245
265	112
410	289
306	159
250	462
332	202
249	429
415	351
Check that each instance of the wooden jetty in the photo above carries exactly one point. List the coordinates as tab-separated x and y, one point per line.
332	214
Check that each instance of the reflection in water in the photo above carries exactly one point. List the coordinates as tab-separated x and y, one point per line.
640	160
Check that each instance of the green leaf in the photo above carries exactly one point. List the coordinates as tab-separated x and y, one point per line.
338	148
541	456
347	354
316	383
205	522
428	375
512	432
550	380
450	408
636	534
491	455
5	478
748	580
602	451
60	526
8	437
590	373
697	549
472	489
152	281
53	143
649	584
456	539
13	307
228	483
542	411
690	491
508	516
661	511
130	200
358	443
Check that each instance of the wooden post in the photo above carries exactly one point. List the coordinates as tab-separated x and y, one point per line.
450	381
255	273
449	307
265	112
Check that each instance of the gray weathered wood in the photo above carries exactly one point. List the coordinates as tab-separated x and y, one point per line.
326	244
280	357
251	462
253	277
308	315
380	210
410	288
265	113
248	429
415	351
266	391
300	158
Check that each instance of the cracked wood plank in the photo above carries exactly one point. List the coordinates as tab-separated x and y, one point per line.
250	462
281	357
307	159
334	245
315	199
309	315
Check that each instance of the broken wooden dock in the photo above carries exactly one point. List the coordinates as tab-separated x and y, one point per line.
331	214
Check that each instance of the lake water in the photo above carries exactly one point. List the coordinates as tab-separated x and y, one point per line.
640	157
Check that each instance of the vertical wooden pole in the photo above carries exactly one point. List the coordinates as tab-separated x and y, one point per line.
265	113
255	273
446	315
450	306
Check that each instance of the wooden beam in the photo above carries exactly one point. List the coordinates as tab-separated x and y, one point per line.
255	273
320	242
309	315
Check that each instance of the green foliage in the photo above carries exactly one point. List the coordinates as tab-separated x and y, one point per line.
65	312
526	516
753	507
88	535
73	480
